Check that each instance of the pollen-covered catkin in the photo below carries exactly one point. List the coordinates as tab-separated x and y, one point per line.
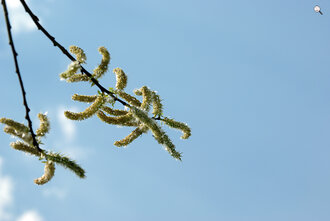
124	120
114	112
130	99
18	145
49	172
121	78
178	125
17	126
67	163
71	70
24	136
158	133
156	105
88	112
44	125
147	97
80	54
84	98
132	136
77	78
103	66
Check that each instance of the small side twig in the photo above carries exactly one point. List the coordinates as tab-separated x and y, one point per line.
27	109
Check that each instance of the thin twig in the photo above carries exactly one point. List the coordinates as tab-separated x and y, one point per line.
11	43
65	52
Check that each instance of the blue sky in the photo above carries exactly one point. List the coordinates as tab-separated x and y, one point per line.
251	78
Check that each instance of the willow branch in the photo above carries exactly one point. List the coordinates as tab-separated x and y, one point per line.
11	43
66	53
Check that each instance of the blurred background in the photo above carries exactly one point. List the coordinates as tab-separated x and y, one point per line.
251	78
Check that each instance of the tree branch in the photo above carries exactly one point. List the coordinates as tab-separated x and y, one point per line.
66	53
11	43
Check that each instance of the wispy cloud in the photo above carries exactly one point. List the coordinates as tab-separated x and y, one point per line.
7	199
20	21
67	126
52	192
30	215
6	194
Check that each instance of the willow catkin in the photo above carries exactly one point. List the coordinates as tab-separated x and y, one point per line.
77	78
124	120
132	136
44	125
158	133
178	125
49	172
156	105
84	98
121	78
146	96
71	71
88	112
18	145
103	66
17	126
114	112
80	54
24	136
130	99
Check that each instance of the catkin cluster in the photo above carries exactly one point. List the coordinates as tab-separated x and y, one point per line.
137	114
26	145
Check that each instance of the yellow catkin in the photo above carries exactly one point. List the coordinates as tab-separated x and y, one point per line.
84	98
114	112
178	125
130	99
132	136
17	126
49	172
18	145
88	112
121	78
147	97
158	133
71	70
77	78
156	105
103	66
24	136
80	55
44	125
125	120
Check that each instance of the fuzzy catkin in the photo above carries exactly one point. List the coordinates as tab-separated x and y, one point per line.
114	112
80	54
103	66
147	97
77	78
44	125
158	133
66	163
124	120
156	104
24	136
130	99
88	112
71	71
132	136
121	78
18	145
84	98
178	125
17	126
49	172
